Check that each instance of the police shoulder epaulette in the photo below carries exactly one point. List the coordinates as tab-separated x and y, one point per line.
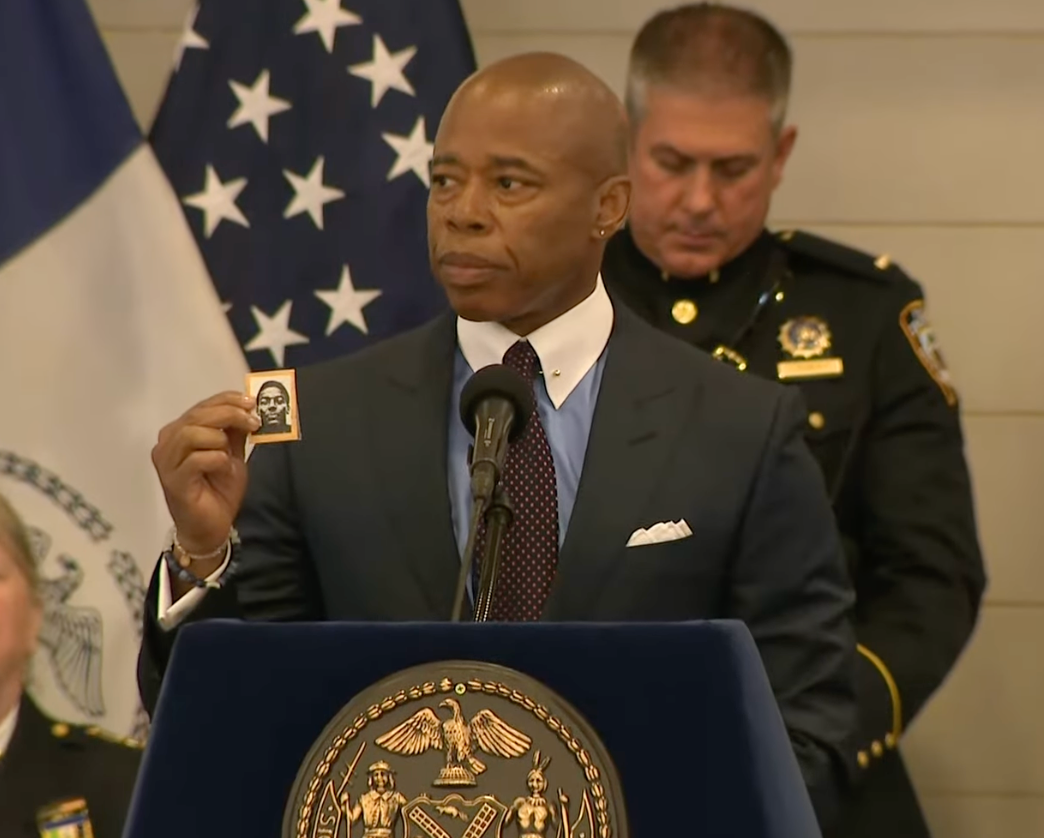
842	257
78	735
96	732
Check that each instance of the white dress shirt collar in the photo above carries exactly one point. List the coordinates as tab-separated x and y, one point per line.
568	346
7	728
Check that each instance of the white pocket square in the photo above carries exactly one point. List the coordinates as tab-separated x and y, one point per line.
658	533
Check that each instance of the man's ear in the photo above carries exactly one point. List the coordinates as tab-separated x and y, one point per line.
614	200
784	147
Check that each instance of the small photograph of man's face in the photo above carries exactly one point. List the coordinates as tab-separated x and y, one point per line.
273	406
276	396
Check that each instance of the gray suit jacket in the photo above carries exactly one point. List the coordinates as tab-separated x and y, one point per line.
353	521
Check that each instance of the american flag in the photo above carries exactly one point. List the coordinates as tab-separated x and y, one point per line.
297	135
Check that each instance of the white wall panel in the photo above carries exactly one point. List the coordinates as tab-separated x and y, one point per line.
983	732
941	16
953	816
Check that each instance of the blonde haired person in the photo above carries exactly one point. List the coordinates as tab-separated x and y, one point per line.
46	765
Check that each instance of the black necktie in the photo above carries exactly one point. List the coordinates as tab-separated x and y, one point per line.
529	552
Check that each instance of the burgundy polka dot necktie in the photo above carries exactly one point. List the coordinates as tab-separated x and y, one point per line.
529	551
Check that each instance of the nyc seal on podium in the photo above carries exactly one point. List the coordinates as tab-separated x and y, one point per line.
457	749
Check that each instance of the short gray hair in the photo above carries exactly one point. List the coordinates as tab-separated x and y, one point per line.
709	47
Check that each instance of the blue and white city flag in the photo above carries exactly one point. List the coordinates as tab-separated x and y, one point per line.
298	136
110	327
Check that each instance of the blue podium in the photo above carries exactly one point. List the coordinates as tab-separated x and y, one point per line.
684	709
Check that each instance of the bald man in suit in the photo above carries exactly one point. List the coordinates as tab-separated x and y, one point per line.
366	518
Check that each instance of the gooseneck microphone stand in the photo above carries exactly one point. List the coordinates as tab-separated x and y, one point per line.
496	513
499	515
495	405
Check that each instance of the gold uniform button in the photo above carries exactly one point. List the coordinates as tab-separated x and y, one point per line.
817	420
864	759
684	312
878	749
890	742
60	730
883	262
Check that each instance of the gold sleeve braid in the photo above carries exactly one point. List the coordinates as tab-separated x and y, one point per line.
891	739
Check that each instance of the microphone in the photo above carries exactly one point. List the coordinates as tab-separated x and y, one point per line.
495	406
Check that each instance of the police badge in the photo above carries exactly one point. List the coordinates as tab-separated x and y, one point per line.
805	337
457	749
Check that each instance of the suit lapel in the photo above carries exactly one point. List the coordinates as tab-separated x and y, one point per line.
409	430
643	403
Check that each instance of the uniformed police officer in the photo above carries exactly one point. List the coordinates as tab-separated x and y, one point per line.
55	778
707	95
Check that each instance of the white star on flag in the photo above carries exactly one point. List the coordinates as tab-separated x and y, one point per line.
274	333
414	153
255	105
189	39
218	201
325	17
346	304
311	193
385	72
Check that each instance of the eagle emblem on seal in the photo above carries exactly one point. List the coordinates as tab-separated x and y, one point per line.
457	738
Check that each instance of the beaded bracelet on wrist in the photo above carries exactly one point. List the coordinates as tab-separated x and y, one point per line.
185	558
182	572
